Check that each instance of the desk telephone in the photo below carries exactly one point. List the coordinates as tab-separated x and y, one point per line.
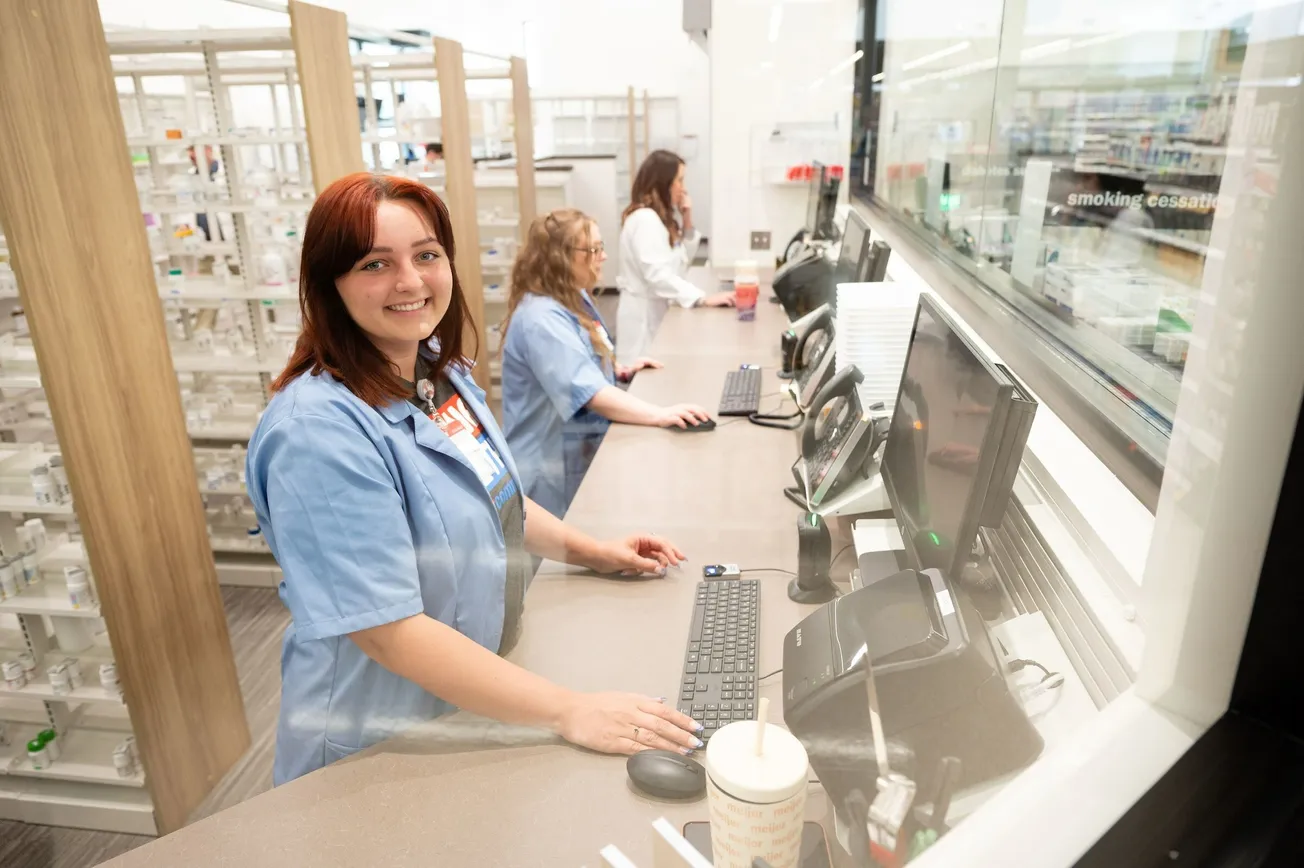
812	356
838	445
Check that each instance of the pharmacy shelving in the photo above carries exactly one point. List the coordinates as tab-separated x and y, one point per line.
225	239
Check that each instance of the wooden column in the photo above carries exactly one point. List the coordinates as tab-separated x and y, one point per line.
647	125
459	186
87	282
527	200
330	103
633	138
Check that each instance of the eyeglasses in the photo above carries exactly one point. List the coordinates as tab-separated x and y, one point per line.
595	250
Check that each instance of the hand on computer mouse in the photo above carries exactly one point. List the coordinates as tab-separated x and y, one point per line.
682	416
626	723
635	554
729	298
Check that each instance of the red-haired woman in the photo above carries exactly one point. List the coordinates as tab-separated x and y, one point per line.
389	499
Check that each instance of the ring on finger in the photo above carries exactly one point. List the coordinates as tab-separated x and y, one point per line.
636	732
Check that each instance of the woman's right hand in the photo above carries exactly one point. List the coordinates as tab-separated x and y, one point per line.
728	298
627	723
681	416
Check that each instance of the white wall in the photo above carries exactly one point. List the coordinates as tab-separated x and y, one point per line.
766	72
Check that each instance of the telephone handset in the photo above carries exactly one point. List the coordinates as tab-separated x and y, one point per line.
813	357
842	386
837	447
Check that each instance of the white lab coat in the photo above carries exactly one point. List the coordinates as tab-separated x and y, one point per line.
651	278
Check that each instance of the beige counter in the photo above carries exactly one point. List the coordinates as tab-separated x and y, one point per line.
468	793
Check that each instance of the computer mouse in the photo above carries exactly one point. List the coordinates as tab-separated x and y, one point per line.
708	425
665	774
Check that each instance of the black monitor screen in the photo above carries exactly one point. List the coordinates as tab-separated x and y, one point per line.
813	202
855	240
933	464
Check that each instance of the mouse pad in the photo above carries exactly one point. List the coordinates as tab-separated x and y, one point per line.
814	849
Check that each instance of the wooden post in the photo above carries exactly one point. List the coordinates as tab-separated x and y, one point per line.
647	125
633	138
87	282
459	185
527	201
330	103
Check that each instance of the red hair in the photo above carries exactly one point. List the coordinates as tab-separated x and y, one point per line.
340	231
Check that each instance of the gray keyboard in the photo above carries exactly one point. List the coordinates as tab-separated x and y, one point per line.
719	676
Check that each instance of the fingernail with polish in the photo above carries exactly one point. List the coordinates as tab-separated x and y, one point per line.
700	742
700	728
686	751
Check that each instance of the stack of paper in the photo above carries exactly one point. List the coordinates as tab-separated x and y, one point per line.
873	333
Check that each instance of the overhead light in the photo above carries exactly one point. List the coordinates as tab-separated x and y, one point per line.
878	77
844	64
936	55
1046	48
776	21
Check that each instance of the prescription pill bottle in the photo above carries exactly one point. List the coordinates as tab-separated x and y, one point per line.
15	677
123	761
25	541
43	486
50	740
36	527
80	595
60	475
8	578
28	662
73	667
109	679
31	568
60	683
37	755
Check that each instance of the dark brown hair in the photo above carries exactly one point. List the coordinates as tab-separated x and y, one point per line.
340	231
651	189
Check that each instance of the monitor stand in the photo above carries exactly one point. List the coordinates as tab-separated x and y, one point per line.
862	496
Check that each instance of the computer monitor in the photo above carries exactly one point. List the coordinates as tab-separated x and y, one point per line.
947	429
851	254
873	268
813	199
828	204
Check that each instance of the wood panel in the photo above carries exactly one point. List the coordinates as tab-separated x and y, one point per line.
647	125
527	200
633	138
459	186
330	103
86	279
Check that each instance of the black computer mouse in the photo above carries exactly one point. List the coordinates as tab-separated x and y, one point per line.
665	774
708	425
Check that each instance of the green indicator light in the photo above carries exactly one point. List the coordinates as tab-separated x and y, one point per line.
935	539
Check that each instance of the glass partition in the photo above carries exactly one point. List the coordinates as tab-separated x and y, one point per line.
1070	157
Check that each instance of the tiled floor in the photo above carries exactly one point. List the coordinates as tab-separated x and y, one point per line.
257	621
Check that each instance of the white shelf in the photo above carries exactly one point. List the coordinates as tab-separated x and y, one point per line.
20	503
39	688
187	141
223	431
210	289
20	380
47	597
188	363
63	553
232	545
229	208
86	756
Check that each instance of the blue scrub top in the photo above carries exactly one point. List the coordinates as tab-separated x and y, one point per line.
550	371
374	516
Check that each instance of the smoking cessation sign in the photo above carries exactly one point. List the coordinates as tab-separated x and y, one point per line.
1202	202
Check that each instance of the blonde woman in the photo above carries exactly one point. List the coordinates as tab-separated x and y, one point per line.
559	369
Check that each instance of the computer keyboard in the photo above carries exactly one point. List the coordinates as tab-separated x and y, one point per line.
742	392
719	678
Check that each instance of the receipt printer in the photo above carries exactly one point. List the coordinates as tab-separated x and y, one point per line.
941	686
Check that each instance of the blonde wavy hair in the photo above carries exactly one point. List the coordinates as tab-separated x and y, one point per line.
543	267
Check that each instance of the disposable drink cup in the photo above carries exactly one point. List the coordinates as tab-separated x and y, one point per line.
757	799
746	295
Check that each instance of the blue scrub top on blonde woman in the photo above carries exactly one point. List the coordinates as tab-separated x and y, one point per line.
374	515
551	370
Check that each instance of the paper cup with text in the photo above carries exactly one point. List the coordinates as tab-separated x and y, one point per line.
757	802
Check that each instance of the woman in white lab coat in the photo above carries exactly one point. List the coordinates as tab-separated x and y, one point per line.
656	250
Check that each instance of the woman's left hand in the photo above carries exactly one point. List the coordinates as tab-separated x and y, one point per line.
625	373
640	553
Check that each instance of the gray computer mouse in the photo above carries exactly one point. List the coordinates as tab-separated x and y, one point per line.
665	774
706	425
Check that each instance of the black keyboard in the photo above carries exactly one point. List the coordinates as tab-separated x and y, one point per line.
742	392
719	681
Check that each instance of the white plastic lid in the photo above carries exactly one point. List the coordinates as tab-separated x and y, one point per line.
778	773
